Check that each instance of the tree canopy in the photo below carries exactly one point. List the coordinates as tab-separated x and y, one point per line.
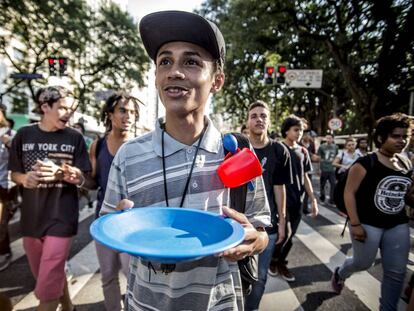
102	46
365	49
120	61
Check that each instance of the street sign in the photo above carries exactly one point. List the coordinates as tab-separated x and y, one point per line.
335	124
304	78
26	76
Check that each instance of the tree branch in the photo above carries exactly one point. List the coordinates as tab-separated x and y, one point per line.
99	68
394	48
339	21
11	60
10	88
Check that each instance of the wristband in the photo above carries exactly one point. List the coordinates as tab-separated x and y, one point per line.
356	225
82	183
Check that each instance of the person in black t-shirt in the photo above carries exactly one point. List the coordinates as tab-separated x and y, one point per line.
275	161
292	130
374	199
51	162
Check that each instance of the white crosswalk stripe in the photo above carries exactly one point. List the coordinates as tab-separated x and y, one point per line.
83	266
366	287
279	290
17	245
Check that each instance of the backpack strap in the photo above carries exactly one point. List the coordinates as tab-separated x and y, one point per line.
238	195
405	161
371	160
371	157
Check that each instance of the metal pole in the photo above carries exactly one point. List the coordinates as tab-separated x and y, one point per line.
411	104
335	104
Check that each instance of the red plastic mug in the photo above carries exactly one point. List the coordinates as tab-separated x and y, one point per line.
239	169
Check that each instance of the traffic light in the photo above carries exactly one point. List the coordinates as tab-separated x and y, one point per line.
62	66
269	74
52	65
280	76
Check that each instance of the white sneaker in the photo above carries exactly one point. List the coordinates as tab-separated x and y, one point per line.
68	271
272	271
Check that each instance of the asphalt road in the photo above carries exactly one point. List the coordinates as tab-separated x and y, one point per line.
317	250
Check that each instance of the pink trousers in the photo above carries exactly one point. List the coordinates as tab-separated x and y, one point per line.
47	258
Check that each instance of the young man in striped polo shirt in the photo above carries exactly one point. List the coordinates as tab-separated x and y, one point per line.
188	52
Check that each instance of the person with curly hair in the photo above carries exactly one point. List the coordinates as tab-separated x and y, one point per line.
374	199
50	160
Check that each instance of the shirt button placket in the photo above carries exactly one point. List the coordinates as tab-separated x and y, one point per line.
190	158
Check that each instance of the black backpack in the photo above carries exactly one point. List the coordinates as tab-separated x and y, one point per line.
339	190
338	196
340	185
238	195
248	266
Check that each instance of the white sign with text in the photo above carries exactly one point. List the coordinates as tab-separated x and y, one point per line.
304	78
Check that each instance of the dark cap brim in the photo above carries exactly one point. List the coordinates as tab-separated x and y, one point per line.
163	27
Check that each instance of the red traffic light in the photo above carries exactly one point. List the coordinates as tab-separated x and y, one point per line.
281	69
51	61
270	70
62	66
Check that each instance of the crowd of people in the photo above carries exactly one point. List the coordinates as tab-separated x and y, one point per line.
175	165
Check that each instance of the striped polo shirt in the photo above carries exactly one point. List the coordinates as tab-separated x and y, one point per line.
210	283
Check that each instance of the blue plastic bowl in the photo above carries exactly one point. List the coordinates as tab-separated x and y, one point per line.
167	234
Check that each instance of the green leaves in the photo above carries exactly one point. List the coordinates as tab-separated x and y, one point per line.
103	47
364	47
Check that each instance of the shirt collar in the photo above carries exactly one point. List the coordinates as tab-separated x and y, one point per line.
211	140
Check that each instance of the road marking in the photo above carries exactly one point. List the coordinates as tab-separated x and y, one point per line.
17	245
367	288
278	290
83	266
336	218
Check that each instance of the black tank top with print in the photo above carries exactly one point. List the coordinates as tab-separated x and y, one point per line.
380	197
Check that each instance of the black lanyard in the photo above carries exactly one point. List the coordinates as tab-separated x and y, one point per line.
191	169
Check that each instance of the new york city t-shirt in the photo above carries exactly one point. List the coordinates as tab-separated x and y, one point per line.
51	208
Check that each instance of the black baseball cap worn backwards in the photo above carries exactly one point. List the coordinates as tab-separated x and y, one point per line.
163	27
